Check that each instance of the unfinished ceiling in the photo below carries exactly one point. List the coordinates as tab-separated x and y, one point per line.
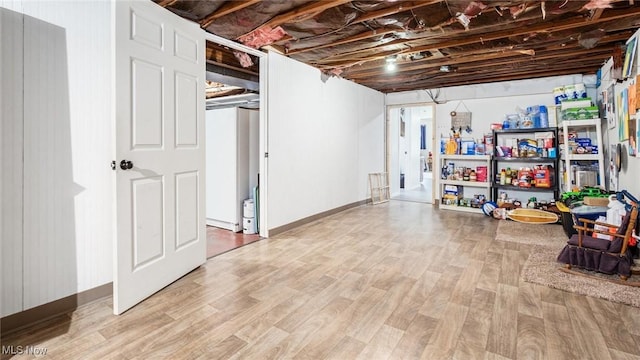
429	44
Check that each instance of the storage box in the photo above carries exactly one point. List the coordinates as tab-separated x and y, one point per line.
546	137
567	219
596	201
453	190
575	103
584	142
524	178
587	212
542	178
586	178
481	173
468	147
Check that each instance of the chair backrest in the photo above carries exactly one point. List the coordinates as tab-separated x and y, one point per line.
630	228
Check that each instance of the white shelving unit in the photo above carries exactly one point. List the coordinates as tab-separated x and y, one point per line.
468	161
589	128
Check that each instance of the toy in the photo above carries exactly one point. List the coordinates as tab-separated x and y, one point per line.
573	196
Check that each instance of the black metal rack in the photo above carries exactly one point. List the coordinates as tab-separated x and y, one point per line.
495	160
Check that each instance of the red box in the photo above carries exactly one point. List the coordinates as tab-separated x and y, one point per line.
542	178
481	173
524	178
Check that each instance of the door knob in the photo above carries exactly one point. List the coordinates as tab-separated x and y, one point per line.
126	164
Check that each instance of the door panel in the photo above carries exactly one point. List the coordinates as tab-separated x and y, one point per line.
159	93
148	229
187	199
186	108
147	104
145	30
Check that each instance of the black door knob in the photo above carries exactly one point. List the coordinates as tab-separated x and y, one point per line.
126	164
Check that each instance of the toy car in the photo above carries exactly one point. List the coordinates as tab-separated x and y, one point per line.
588	191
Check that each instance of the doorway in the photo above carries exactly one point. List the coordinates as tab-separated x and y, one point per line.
232	160
233	122
410	140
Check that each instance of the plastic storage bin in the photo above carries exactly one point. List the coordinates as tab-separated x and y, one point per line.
586	212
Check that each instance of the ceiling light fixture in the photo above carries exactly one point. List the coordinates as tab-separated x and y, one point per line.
391	63
445	68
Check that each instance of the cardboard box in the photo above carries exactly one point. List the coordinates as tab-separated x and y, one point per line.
453	190
542	178
584	142
595	201
468	147
575	103
481	173
524	178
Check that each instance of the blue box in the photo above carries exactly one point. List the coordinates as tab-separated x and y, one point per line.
468	147
584	142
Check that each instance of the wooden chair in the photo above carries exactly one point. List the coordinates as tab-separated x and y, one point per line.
585	251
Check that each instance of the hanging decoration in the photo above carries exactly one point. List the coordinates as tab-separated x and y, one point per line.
461	120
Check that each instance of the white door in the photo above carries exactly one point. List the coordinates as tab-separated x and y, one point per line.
159	102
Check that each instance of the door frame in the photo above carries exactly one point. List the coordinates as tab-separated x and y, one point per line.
263	182
388	140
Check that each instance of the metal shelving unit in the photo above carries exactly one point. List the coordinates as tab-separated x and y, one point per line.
497	160
466	159
589	128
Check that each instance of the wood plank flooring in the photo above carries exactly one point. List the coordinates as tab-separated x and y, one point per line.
398	280
219	241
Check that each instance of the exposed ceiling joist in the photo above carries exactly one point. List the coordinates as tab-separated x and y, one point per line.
481	40
358	37
227	8
301	13
404	6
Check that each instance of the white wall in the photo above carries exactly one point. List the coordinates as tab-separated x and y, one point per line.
488	103
630	171
11	154
67	199
324	138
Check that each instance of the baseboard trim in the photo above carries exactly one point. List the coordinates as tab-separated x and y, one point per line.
29	317
295	224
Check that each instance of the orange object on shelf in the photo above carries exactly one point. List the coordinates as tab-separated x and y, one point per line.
542	178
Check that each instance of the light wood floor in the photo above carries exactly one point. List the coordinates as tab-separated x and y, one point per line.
399	280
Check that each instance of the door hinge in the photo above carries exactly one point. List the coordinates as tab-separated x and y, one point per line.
113	164
266	155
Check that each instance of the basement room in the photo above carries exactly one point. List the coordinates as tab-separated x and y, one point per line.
377	179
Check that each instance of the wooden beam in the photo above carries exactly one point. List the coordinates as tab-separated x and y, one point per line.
436	83
402	7
226	9
371	16
504	49
231	67
597	13
457	76
350	39
439	62
489	59
300	14
480	38
165	3
540	48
